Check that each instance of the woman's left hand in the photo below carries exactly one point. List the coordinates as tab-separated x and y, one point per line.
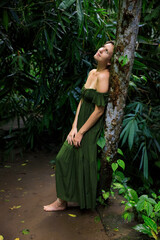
77	139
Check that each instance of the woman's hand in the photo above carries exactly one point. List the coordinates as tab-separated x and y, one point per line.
71	135
77	139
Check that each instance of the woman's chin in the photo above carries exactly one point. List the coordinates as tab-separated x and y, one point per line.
95	57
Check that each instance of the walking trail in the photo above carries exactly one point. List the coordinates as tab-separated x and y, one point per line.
27	183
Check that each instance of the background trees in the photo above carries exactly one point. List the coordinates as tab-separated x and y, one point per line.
46	50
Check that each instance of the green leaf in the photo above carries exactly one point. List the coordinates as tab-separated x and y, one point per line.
148	207
121	163
123	60
143	197
157	207
66	3
108	158
128	206
119	176
120	151
150	223
26	231
152	201
154	195
154	235
139	65
118	185
79	12
128	216
140	205
114	166
143	228
101	142
131	135
97	219
133	195
105	195
121	191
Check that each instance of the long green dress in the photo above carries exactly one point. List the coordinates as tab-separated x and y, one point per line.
76	168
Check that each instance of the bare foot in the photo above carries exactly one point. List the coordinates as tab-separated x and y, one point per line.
58	205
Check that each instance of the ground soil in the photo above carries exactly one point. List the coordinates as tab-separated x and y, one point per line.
27	183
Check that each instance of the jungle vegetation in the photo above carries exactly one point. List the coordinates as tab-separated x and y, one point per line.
46	51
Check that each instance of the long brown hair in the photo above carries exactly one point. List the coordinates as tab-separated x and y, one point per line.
113	43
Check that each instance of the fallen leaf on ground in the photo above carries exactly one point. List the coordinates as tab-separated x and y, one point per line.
19	179
116	229
22	221
52	175
97	219
19	188
17	239
7	166
23	164
15	207
25	231
72	215
6	200
25	193
2	190
1	237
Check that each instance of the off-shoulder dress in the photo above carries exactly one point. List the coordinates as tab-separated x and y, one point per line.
76	168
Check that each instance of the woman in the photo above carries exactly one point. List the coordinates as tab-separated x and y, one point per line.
76	162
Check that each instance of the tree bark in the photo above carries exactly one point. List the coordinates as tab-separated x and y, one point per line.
126	35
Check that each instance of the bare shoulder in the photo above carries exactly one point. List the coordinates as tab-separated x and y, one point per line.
92	71
103	81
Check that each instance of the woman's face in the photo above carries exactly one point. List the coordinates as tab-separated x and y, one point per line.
104	53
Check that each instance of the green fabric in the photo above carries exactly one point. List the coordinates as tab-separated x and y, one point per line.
76	168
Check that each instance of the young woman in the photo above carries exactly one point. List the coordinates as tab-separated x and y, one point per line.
76	162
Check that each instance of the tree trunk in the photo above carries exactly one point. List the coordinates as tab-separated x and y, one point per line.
127	30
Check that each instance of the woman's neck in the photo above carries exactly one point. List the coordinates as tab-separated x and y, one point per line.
101	67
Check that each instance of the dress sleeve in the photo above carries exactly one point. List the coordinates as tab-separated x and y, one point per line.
100	99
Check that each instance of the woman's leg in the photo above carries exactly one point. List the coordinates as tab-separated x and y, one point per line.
57	205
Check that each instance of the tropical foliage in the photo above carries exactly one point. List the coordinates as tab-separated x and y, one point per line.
146	209
46	51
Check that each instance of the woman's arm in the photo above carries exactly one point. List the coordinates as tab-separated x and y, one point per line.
74	125
98	111
73	131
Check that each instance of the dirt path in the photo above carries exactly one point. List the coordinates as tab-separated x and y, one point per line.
28	183
25	186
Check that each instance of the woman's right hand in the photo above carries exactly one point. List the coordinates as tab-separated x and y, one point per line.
71	135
